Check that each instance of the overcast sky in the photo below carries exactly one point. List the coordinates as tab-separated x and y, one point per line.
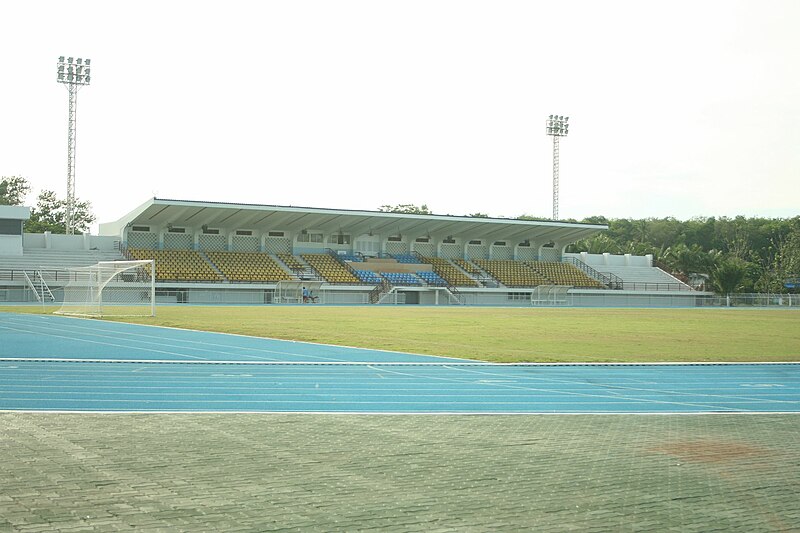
676	108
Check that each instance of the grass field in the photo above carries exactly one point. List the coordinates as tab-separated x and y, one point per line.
512	334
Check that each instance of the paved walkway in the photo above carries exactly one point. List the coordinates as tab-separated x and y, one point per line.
256	472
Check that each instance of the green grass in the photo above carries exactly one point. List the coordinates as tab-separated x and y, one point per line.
511	334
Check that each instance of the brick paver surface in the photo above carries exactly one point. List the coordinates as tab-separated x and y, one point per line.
185	472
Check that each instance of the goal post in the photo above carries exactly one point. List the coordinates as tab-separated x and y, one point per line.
111	288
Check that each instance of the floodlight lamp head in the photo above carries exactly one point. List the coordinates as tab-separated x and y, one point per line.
60	59
87	62
79	61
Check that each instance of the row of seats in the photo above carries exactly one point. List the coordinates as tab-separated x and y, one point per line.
450	273
368	276
177	265
512	273
291	261
189	265
468	266
432	278
409	259
329	268
248	266
401	278
565	274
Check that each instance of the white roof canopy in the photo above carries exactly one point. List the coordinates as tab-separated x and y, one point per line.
182	213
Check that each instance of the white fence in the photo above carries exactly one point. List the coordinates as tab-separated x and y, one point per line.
599	299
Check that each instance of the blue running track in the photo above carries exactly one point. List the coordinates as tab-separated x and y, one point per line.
52	363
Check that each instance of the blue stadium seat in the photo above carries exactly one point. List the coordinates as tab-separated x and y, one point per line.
432	278
368	276
400	278
406	258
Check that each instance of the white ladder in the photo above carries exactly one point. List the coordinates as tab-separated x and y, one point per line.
39	286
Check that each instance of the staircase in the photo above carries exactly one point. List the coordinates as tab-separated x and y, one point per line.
39	287
379	292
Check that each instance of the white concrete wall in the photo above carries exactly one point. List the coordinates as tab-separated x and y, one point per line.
52	241
15	212
10	245
595	260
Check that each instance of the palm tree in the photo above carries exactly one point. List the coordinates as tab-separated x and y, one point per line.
688	260
728	275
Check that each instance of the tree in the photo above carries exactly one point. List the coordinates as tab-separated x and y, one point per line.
687	260
597	244
478	215
409	209
534	218
780	262
50	214
728	276
13	190
596	219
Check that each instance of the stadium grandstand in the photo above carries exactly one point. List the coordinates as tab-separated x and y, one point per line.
213	252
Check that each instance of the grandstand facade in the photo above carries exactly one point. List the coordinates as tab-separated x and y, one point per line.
211	252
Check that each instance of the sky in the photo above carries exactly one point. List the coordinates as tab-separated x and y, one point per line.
677	109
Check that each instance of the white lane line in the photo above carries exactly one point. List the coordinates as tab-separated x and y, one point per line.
634	389
161	343
204	344
116	345
573	393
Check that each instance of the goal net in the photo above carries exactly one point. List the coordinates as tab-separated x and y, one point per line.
111	288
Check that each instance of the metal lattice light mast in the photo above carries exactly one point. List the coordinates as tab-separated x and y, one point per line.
557	127
74	74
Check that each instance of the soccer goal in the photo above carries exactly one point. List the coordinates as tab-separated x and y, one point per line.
111	288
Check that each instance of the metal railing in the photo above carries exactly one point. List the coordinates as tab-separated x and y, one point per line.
654	286
612	281
668	270
51	275
752	300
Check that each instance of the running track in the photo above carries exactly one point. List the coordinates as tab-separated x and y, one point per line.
52	363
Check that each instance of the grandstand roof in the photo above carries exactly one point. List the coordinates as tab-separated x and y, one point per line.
186	213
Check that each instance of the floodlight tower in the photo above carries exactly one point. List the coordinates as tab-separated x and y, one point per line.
557	127
74	73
